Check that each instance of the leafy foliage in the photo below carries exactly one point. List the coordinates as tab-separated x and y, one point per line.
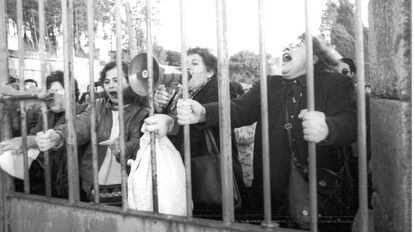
103	14
338	21
343	41
173	58
245	66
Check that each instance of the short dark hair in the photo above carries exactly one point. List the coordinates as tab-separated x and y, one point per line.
12	79
350	63
30	80
111	65
210	61
58	76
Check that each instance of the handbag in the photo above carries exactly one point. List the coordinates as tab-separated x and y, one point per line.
109	194
206	178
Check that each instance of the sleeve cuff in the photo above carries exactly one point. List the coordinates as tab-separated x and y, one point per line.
62	141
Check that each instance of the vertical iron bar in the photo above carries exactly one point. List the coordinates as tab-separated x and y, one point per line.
5	179
23	122
4	75
92	104
362	138
187	146
311	107
151	104
265	123
224	114
71	144
133	50
42	50
121	74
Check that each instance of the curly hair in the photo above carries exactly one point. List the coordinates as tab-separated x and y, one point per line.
111	65
58	76
326	58
210	61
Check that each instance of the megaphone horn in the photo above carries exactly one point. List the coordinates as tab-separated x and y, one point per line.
162	74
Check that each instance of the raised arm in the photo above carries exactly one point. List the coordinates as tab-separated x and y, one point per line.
244	110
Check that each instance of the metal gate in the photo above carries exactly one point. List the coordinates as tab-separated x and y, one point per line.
25	212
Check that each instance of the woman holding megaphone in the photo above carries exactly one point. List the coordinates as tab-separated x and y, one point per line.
203	87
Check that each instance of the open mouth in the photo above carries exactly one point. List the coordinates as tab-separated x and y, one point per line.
113	94
286	57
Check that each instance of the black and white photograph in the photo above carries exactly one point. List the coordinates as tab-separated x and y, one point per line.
206	115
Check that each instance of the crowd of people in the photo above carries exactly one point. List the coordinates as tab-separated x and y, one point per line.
332	126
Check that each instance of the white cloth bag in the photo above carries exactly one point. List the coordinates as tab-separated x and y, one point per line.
13	164
170	176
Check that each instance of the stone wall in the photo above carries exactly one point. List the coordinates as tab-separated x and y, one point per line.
390	107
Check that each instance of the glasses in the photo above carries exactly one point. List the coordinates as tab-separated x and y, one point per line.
58	91
298	44
345	71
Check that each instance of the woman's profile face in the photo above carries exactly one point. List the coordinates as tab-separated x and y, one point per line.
196	66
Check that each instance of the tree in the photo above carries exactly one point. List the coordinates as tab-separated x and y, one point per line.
159	53
337	26
173	58
328	19
53	17
343	41
337	23
244	66
346	16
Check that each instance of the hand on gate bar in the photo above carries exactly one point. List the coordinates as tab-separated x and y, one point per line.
315	128
161	124
50	139
190	112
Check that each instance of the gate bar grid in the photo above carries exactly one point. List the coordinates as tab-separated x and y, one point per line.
4	116
118	25
23	118
224	115
71	143
151	106
42	51
92	104
362	132
311	107
187	139
267	207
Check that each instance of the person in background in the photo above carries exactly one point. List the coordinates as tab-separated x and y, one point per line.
347	67
30	84
56	117
85	98
13	108
332	126
32	107
107	133
244	137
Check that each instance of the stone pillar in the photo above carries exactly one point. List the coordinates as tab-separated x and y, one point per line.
390	108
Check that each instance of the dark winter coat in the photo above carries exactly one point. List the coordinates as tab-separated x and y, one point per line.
333	96
134	116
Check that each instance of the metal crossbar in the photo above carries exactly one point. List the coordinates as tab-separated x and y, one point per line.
224	107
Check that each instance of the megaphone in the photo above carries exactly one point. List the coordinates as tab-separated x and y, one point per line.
162	74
